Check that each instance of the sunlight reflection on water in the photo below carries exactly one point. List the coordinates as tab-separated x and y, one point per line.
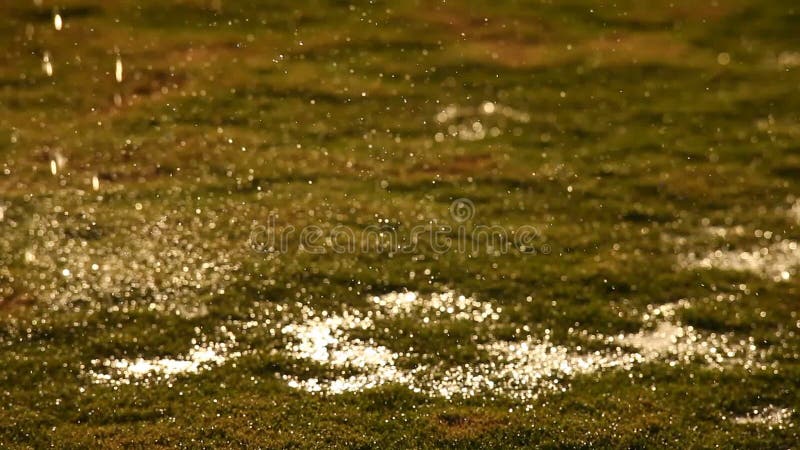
520	369
200	357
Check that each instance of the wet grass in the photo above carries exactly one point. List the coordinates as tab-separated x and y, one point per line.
647	125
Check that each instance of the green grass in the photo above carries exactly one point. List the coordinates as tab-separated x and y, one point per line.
324	113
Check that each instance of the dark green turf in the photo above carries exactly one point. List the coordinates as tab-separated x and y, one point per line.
637	137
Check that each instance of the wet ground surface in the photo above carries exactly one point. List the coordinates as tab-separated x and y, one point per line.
394	225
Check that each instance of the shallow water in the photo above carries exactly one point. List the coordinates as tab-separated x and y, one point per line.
522	370
201	356
519	369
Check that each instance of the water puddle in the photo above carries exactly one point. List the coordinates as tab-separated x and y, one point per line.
520	370
201	357
347	349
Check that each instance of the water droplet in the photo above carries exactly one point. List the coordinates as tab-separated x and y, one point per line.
47	66
118	70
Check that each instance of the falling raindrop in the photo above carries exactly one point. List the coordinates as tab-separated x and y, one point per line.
118	71
53	167
47	66
57	22
95	183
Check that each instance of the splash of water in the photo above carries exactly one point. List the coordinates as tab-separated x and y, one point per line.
468	123
769	416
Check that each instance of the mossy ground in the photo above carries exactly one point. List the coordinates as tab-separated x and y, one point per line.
648	122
